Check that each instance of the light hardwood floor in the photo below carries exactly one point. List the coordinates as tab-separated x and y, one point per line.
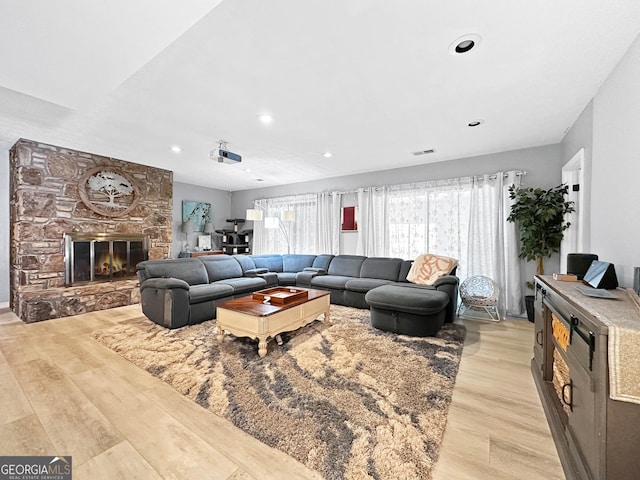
65	394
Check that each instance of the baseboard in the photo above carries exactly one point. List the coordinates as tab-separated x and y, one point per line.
4	305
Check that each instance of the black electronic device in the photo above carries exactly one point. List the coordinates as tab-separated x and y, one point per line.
601	275
579	263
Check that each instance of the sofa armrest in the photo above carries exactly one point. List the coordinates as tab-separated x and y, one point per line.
270	277
164	283
446	280
166	301
318	271
255	272
449	285
303	278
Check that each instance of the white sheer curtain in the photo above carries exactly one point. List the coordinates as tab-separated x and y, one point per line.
328	223
301	232
493	242
463	218
430	217
373	234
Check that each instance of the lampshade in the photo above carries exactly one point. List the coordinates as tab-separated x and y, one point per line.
208	228
288	216
187	227
254	214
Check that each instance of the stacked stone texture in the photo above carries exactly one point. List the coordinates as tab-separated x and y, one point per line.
46	204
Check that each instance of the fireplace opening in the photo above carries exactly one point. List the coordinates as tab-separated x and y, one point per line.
102	257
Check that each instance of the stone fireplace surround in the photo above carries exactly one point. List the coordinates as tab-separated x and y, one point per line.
46	203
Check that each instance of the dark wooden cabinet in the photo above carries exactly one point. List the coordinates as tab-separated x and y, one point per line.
596	437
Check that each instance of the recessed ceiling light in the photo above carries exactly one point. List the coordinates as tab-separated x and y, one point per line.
475	123
247	170
265	118
464	43
327	154
175	148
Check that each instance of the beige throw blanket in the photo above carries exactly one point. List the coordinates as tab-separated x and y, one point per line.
427	268
624	352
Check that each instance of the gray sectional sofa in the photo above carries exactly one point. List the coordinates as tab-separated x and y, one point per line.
184	291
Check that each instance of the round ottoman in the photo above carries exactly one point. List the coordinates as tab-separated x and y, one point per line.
407	310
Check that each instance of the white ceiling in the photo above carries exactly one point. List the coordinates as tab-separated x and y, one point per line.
369	80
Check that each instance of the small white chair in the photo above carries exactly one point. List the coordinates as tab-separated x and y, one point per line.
480	292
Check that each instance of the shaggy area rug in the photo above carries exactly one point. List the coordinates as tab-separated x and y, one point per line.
346	400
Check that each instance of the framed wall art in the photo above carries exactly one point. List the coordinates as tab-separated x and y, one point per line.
198	213
349	220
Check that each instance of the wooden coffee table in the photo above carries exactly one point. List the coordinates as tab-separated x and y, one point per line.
251	317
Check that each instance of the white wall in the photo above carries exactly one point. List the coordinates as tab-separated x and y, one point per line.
220	201
615	219
4	232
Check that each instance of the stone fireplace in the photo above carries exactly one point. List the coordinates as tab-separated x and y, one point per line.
79	223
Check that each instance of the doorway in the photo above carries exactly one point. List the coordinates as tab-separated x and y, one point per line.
573	240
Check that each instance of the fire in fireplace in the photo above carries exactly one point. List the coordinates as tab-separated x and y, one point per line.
100	257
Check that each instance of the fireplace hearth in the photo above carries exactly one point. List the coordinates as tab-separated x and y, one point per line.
102	257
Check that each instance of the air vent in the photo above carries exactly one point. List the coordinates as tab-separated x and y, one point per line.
424	152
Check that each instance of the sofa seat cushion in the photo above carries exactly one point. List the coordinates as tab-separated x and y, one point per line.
243	284
337	282
208	292
363	285
408	300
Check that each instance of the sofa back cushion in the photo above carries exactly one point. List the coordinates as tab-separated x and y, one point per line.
404	270
271	261
346	265
322	261
382	268
221	267
245	261
191	270
296	262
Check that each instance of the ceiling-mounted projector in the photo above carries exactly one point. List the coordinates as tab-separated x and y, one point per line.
224	156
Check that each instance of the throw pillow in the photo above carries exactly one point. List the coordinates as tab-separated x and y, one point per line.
427	268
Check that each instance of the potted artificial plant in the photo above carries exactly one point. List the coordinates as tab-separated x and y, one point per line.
540	217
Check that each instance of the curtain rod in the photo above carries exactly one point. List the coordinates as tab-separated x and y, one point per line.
518	173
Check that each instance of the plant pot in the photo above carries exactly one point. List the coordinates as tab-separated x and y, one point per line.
528	302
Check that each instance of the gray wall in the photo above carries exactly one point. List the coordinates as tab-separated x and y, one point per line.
220	201
581	136
615	198
4	232
543	166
